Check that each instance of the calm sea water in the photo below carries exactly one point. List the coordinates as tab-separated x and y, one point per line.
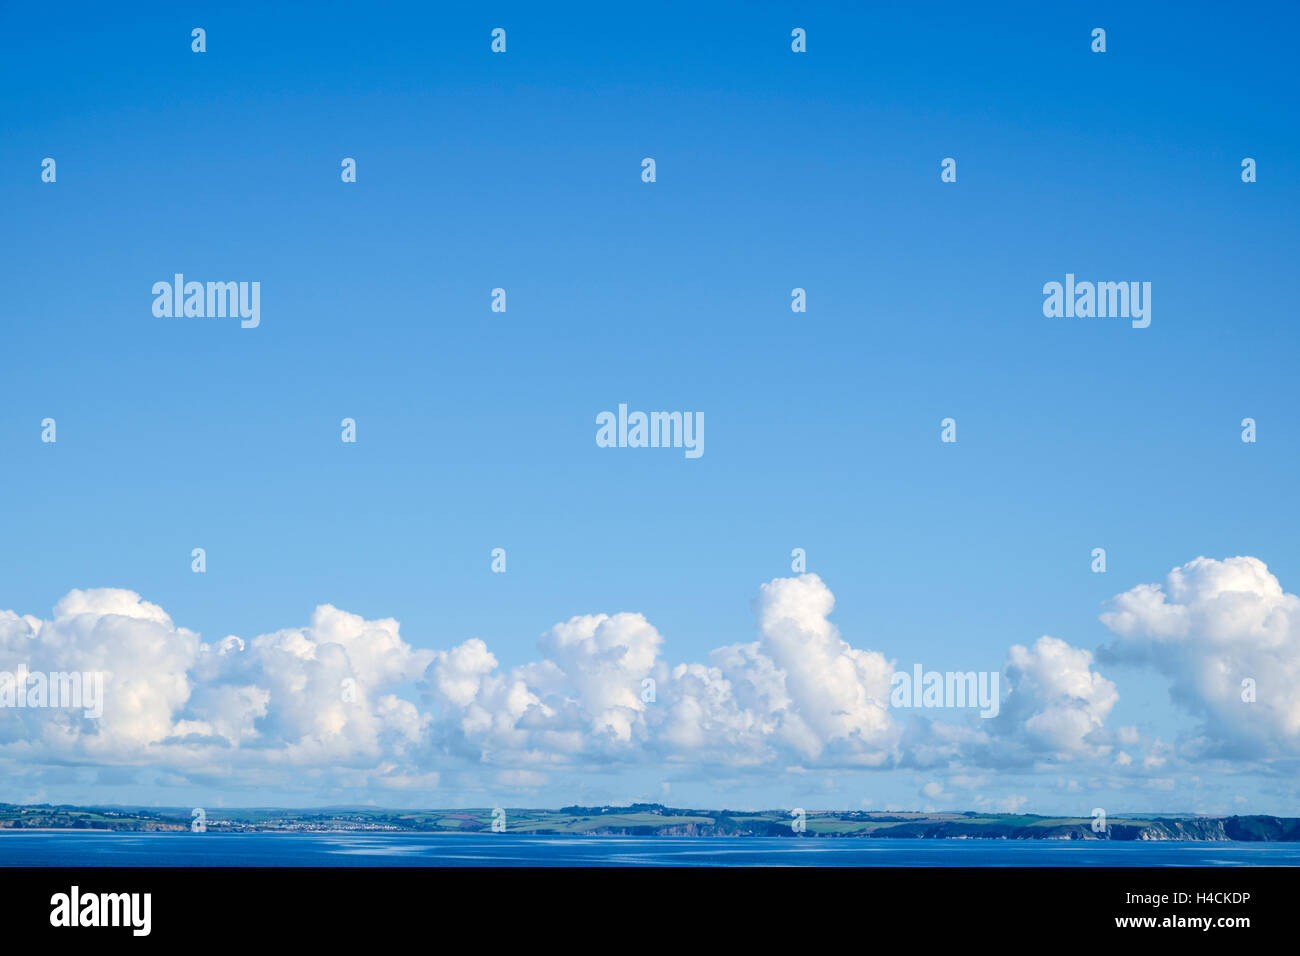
463	849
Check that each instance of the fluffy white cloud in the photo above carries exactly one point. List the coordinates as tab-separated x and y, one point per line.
605	660
1056	703
309	696
145	658
800	691
314	694
1211	627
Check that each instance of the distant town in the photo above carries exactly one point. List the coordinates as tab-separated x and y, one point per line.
653	819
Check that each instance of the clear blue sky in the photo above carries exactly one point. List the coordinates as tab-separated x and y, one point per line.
775	170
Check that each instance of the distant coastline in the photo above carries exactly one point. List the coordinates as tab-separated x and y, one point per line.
652	819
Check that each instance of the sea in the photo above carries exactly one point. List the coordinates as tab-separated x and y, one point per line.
75	848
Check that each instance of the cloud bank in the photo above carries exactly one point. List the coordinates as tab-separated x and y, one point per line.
345	701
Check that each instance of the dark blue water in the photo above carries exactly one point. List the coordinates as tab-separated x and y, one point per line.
79	848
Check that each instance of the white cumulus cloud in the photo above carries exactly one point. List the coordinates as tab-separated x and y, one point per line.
1211	628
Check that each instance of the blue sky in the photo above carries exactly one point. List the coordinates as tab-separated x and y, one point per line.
775	170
